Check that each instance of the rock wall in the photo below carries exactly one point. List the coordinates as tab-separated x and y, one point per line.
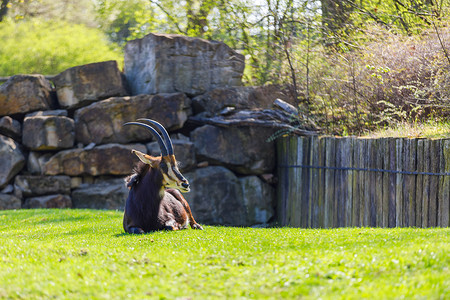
62	143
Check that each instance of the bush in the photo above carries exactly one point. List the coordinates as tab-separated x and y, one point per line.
391	80
49	47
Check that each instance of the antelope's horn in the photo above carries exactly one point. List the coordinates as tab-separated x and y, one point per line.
164	133
162	145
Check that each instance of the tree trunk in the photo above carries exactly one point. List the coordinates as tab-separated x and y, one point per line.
3	9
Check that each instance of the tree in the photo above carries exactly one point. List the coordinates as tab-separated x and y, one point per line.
3	9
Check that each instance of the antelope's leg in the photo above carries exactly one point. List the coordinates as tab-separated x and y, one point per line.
192	222
172	225
179	197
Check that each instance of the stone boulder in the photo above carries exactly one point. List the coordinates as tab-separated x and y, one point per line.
168	63
184	153
241	97
11	160
48	132
110	194
25	93
81	85
243	149
216	197
259	200
49	201
219	197
10	128
36	185
36	162
110	159
102	122
44	113
9	202
9	189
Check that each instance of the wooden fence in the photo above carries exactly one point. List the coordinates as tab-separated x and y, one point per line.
329	182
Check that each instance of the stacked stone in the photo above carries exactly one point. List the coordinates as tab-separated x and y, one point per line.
62	143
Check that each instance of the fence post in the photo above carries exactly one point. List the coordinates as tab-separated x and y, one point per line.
434	182
385	176
329	193
356	184
283	180
445	202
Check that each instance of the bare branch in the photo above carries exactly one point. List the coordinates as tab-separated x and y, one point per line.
174	21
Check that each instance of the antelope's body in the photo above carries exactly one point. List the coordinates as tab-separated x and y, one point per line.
155	201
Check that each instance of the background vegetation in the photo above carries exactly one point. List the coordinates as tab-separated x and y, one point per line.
45	47
67	254
351	66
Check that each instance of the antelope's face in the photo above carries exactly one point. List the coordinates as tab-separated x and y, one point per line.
172	176
166	163
168	166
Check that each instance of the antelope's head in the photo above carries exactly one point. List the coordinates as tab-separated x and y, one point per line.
166	163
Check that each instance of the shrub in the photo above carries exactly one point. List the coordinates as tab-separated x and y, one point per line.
392	79
49	47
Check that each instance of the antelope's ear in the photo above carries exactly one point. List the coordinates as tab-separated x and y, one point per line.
147	159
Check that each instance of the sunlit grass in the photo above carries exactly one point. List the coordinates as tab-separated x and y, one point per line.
84	254
430	129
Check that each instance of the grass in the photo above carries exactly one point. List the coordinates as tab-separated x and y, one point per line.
84	254
430	129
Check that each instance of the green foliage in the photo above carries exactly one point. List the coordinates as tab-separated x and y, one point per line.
125	20
352	66
71	11
49	47
85	254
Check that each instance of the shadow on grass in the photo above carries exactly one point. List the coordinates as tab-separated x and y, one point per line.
124	234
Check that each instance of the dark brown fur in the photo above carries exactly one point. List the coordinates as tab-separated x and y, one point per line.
150	207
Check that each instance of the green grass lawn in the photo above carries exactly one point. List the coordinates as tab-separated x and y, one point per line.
84	254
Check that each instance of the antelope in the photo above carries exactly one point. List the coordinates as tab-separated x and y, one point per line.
154	200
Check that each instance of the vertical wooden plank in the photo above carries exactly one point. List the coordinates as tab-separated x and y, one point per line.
385	201
426	183
419	183
412	184
367	182
283	184
356	184
434	182
392	222
345	186
338	184
406	165
373	182
440	193
321	185
314	183
329	182
445	207
292	179
409	193
399	186
341	180
305	183
379	182
349	182
296	172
